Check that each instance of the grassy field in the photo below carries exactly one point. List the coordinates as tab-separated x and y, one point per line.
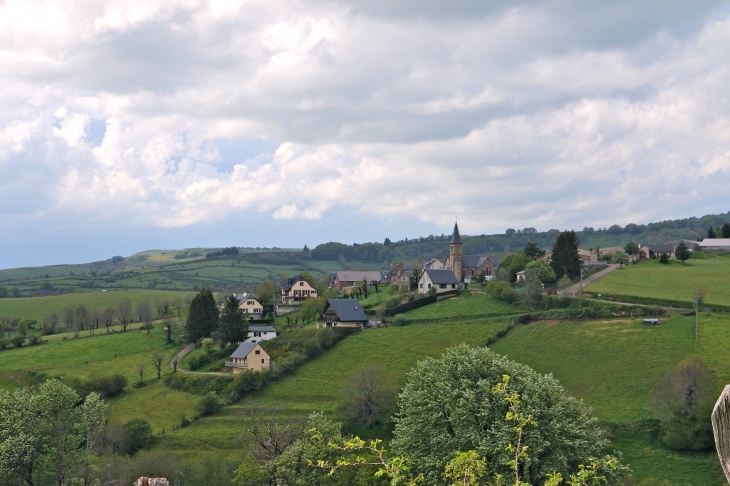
466	305
674	281
39	307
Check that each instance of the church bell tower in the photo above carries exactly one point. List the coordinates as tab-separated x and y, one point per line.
455	252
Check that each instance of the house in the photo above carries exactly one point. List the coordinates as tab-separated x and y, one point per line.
346	278
715	245
466	266
587	256
443	280
656	251
434	263
248	357
344	313
249	303
296	290
256	334
403	280
520	276
333	279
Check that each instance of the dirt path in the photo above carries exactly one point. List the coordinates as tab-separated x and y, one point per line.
185	351
575	288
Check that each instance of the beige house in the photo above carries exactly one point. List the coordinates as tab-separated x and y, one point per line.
402	279
588	256
248	303
248	357
296	290
443	280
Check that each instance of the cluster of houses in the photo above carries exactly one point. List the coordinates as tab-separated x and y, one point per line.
435	276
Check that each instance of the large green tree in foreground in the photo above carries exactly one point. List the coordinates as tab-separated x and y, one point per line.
565	259
450	405
203	316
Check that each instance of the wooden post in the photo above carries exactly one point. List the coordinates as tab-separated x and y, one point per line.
721	430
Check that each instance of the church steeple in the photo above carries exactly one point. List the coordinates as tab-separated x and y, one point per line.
455	253
455	238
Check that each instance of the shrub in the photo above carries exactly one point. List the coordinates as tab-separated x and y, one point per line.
47	330
198	360
501	291
34	340
18	341
399	320
209	404
4	343
682	434
525	318
139	435
664	258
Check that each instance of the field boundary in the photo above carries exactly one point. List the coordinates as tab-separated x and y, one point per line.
634	299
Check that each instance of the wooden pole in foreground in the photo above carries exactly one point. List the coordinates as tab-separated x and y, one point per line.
721	430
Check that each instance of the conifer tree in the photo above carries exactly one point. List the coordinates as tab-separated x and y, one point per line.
711	232
203	316
565	259
726	230
233	327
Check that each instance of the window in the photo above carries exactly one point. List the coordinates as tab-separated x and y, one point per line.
420	286
257	352
453	286
301	284
262	360
442	286
429	286
257	334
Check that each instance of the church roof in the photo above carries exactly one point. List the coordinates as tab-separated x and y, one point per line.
455	238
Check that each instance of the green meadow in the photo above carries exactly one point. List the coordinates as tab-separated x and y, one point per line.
39	307
672	281
468	304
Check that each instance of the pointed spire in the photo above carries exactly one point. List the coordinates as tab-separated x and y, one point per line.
455	238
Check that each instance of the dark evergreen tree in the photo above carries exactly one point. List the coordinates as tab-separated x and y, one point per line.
711	232
533	251
726	230
632	248
565	259
682	251
233	327
203	316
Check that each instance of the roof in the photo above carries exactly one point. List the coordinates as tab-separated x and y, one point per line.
261	329
348	310
348	276
662	248
333	276
441	276
472	261
292	281
243	350
708	242
455	237
242	297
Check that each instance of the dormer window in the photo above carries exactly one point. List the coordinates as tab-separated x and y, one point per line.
301	284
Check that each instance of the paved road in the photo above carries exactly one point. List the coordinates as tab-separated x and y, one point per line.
575	288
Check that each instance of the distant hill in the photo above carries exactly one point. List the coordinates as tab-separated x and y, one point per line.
409	250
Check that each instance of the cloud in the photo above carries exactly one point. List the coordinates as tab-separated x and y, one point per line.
544	114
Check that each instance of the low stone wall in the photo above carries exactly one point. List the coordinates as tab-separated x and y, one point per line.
280	310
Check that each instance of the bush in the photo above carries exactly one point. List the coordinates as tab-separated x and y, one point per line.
399	320
34	340
209	404
664	258
104	385
4	343
18	341
683	434
198	361
249	381
47	330
501	291
139	435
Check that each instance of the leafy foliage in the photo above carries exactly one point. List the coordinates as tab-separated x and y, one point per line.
450	405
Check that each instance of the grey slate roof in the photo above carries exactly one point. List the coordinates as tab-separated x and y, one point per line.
242	297
348	310
243	350
261	329
472	261
441	276
455	238
661	248
496	260
291	282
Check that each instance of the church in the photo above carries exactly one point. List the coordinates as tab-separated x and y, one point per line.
467	266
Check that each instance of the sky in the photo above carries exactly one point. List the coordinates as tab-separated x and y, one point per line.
159	124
